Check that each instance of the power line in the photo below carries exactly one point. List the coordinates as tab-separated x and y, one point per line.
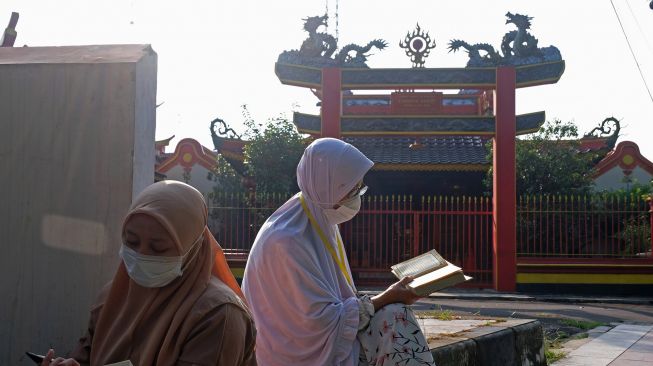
632	52
648	44
337	25
326	11
336	15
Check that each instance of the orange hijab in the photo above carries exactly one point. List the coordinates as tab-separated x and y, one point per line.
147	325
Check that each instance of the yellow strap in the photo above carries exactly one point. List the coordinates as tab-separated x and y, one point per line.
325	241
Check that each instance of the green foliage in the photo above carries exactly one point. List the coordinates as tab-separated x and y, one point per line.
636	235
272	155
636	229
635	189
581	324
580	336
440	314
550	162
553	355
225	177
445	315
553	342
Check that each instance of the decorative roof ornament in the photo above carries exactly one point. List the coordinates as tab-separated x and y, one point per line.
225	130
519	47
319	49
417	46
603	130
520	42
606	131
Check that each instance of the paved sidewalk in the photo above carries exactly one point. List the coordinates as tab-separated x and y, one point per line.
624	345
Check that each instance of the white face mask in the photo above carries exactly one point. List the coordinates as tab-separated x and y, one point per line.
155	270
345	212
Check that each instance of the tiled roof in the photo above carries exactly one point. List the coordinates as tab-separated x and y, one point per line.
373	125
461	150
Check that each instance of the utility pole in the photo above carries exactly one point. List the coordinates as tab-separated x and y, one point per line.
9	36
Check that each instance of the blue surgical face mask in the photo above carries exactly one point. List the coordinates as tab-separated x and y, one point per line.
154	270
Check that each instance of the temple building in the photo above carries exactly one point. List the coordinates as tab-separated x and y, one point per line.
622	168
427	131
190	162
423	140
437	162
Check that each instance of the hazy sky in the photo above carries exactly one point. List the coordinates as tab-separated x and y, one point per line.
215	56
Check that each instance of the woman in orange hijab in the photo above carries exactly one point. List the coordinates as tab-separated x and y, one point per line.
173	300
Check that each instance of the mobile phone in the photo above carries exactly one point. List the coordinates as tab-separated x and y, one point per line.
34	357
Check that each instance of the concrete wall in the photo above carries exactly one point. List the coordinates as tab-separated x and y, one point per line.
198	178
613	179
77	143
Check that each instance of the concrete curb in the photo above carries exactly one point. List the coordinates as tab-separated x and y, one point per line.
546	298
514	342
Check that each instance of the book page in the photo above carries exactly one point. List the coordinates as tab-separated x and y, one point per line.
424	263
435	276
121	363
428	288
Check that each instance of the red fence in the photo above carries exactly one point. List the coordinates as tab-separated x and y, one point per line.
235	219
390	229
597	226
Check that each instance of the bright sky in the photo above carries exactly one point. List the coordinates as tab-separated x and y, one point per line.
215	56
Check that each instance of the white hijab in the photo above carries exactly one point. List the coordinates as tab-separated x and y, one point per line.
306	312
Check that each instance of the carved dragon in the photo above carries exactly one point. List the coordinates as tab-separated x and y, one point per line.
224	130
474	51
518	47
317	44
606	130
360	52
319	48
519	43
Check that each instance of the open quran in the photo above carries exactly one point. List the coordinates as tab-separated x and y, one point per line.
430	273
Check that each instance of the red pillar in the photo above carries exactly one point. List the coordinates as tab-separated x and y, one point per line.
504	185
331	102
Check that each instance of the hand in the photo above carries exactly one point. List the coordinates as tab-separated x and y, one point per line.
398	292
51	360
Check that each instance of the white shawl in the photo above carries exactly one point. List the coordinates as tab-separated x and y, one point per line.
305	311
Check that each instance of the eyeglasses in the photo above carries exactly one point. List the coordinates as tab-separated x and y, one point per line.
357	191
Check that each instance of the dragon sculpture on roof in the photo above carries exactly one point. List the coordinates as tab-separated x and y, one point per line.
609	129
519	43
317	44
478	53
518	47
320	47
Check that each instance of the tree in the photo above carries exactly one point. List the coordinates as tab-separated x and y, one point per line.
552	162
272	155
226	177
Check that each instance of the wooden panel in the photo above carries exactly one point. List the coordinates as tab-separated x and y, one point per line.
67	152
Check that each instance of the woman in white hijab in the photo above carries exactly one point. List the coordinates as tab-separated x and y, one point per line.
299	285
